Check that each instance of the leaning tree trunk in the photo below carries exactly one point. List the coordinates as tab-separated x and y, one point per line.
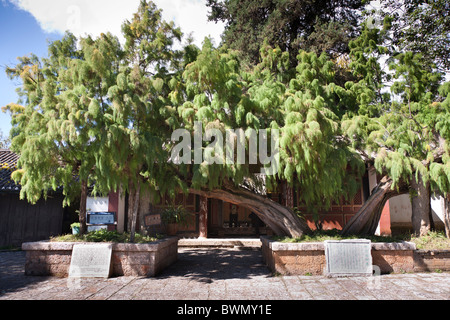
281	219
365	221
420	204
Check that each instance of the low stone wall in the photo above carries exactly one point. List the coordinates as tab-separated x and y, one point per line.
53	258
393	257
294	258
431	260
309	258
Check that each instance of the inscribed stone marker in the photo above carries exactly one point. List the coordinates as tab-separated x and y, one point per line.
91	261
152	220
348	257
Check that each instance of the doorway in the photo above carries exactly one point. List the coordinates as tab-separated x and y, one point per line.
227	220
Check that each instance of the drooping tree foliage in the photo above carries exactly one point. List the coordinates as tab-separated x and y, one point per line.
305	106
403	127
140	121
58	131
89	112
102	114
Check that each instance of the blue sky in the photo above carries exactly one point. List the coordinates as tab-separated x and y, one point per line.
20	34
27	26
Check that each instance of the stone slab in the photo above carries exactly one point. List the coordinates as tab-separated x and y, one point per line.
282	246
152	220
397	246
220	243
348	257
91	261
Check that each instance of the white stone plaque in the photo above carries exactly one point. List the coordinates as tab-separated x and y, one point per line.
91	261
348	257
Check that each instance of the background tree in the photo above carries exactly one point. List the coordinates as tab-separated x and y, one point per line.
319	26
5	142
421	27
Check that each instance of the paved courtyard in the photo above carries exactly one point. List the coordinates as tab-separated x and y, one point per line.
218	274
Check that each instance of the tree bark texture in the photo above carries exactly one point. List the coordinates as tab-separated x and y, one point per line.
134	211
131	203
82	215
281	219
365	221
420	204
203	218
447	215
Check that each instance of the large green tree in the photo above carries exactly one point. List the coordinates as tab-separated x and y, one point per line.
305	106
107	114
94	112
402	128
141	119
59	130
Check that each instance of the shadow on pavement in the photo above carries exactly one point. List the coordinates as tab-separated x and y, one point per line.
207	265
12	273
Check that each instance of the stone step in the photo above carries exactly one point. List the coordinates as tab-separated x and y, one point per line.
221	243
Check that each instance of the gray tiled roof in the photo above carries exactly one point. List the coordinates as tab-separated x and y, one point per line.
9	159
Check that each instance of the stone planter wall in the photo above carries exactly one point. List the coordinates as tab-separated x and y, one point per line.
294	258
309	258
432	260
393	257
53	258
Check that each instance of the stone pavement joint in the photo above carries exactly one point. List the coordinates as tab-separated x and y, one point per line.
218	274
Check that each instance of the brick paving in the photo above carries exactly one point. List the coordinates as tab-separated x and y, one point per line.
218	274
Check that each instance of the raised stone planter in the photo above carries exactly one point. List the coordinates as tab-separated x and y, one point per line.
53	258
309	258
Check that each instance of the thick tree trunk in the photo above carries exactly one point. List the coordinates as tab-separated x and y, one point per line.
282	220
82	215
365	221
421	209
447	215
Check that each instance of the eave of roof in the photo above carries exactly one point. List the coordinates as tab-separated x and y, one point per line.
8	161
8	157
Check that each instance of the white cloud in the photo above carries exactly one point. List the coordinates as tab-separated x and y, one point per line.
82	17
191	16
